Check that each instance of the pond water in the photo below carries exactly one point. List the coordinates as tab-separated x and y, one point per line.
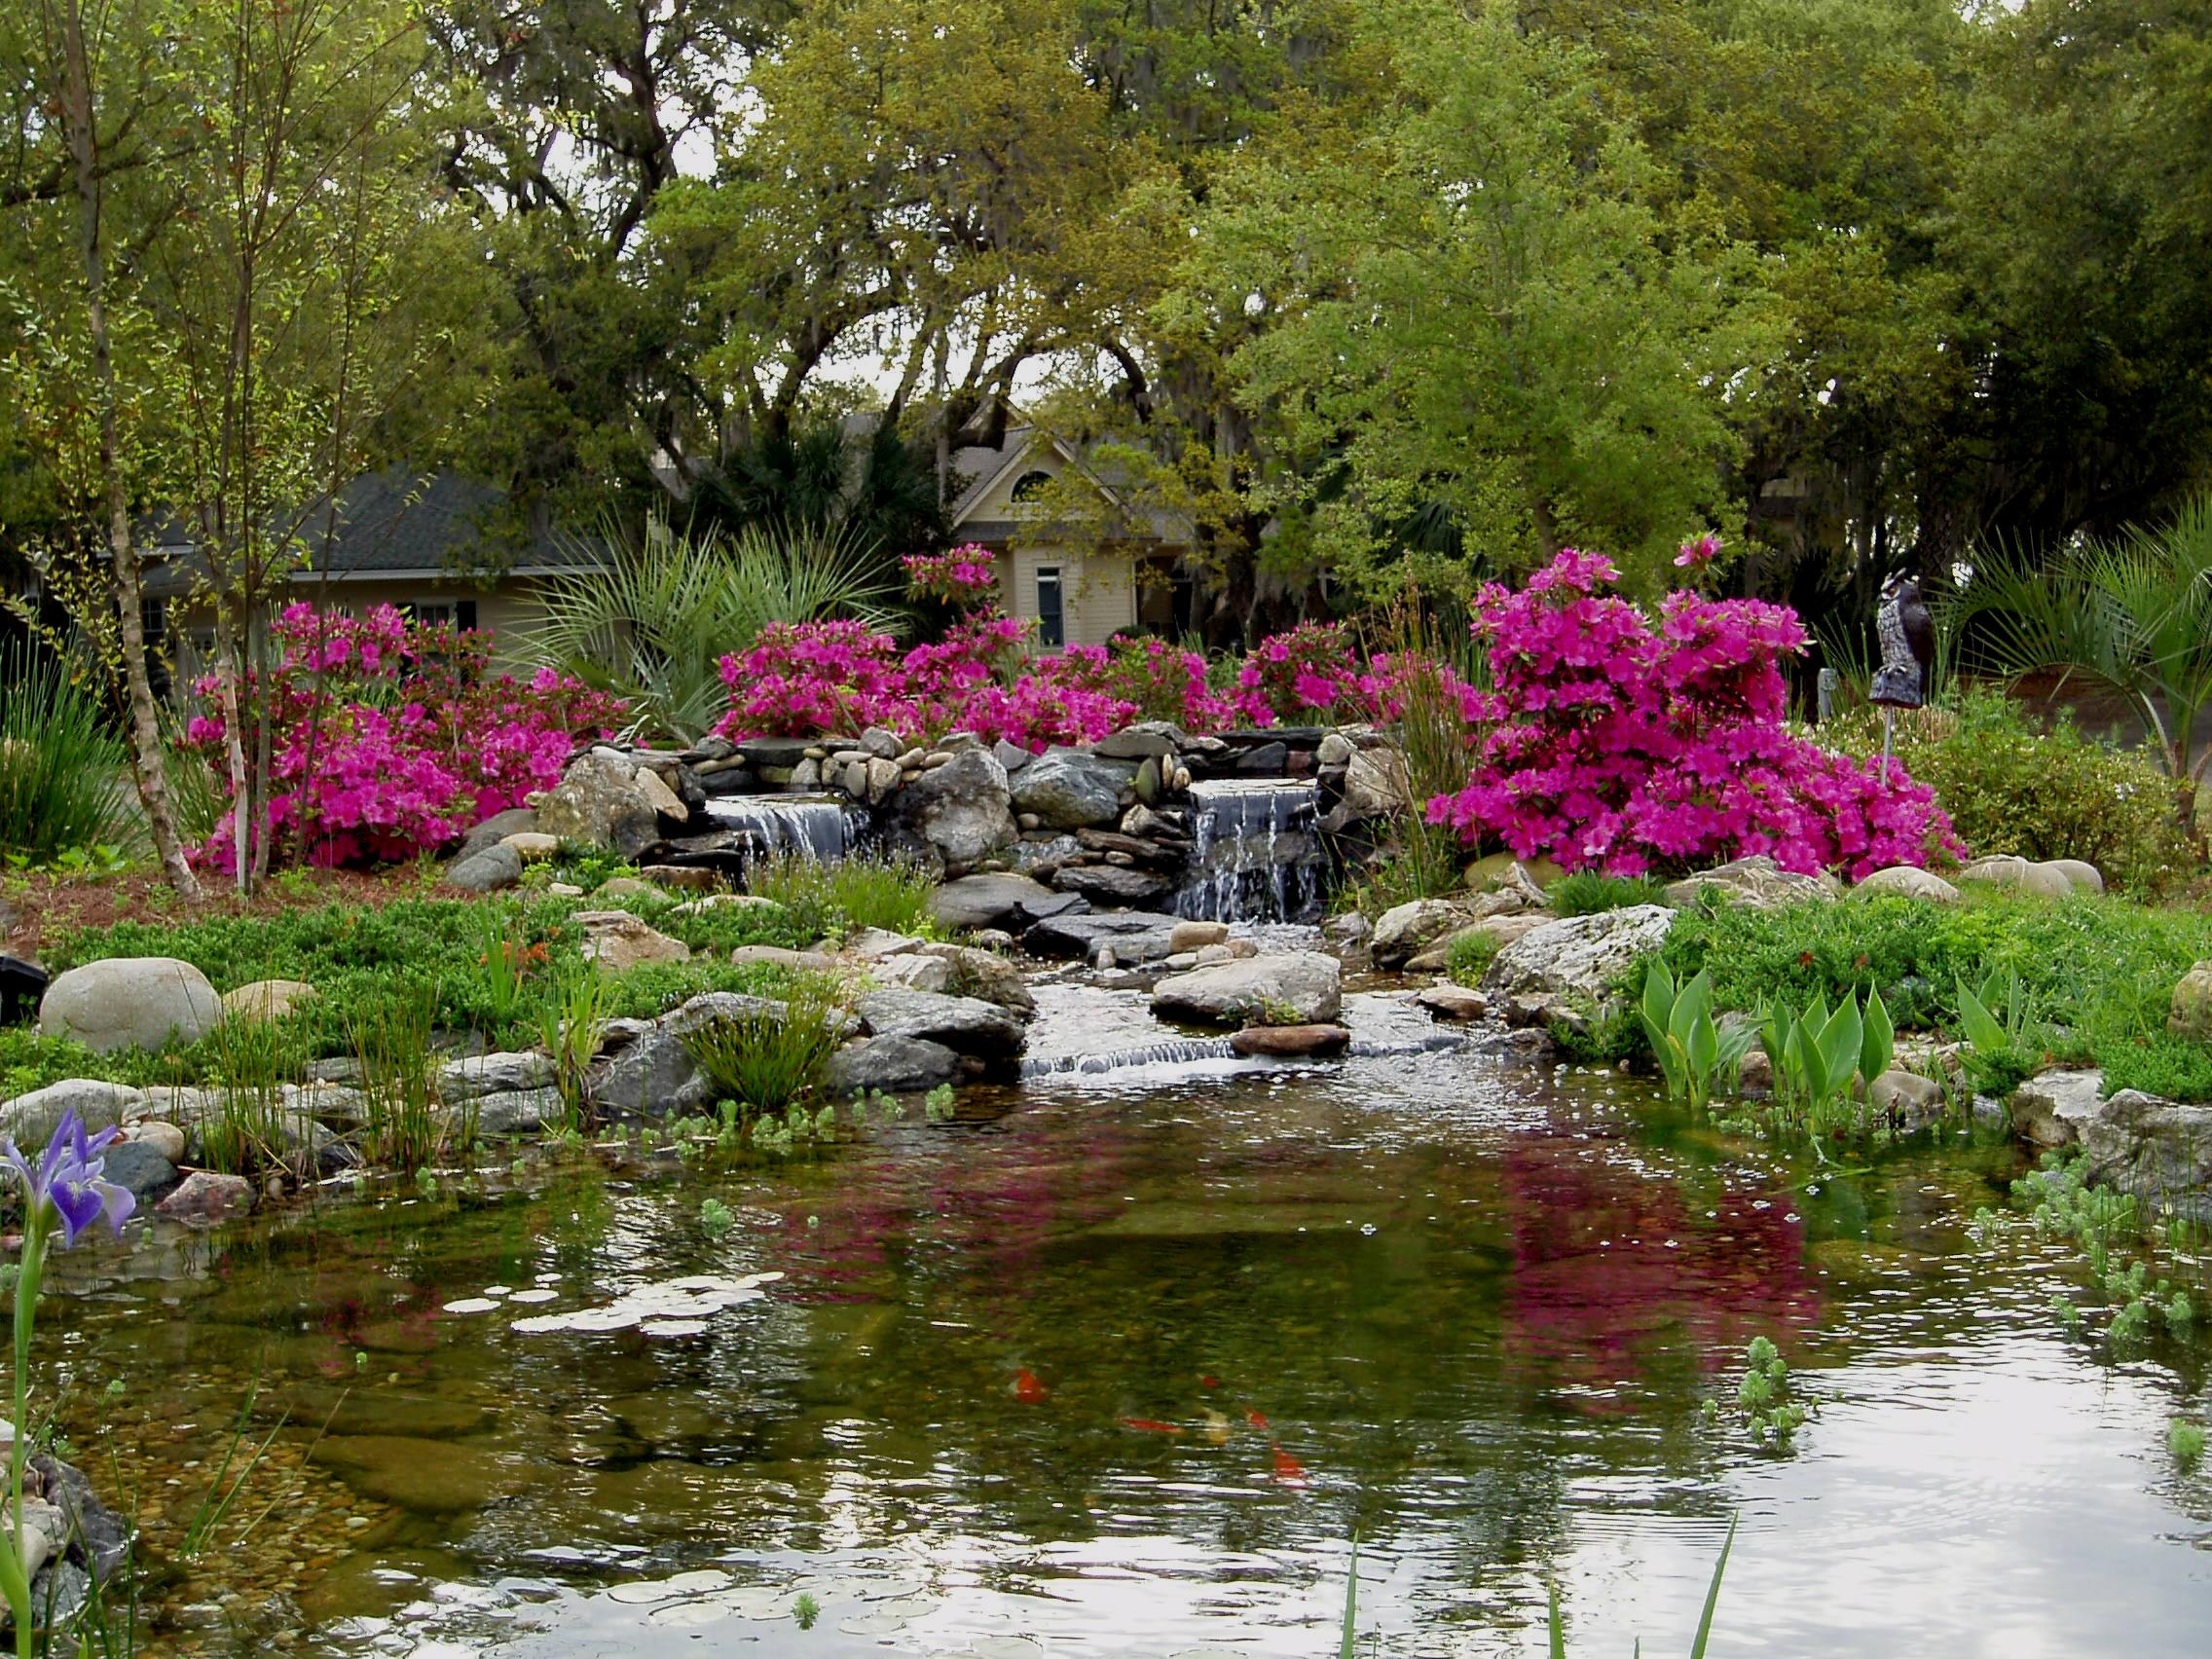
1117	1365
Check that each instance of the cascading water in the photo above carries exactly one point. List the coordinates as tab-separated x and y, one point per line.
1256	852
815	828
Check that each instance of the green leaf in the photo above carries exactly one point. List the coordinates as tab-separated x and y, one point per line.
1704	1050
1840	1046
1712	1594
1980	1025
1878	1048
1658	995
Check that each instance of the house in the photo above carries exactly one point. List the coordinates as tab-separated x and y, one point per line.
434	545
1123	573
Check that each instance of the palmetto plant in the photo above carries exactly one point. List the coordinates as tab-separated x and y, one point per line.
2133	613
655	623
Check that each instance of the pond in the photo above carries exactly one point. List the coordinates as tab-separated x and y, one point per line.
1120	1362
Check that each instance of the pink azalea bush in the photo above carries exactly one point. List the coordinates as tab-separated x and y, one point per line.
966	577
1166	683
388	739
1300	676
1619	746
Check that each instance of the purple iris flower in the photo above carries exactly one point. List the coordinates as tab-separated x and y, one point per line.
69	1178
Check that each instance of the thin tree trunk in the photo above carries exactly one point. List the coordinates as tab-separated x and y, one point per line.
146	763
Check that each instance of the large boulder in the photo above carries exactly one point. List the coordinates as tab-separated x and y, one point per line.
617	941
897	1065
599	803
515	820
1069	789
967	1025
992	901
1113	884
2191	1013
2154	1149
497	867
980	974
2053	1108
29	1120
649	1071
1304	986
267	999
1756	881
1377	783
2054	880
962	810
131	1002
1908	881
1580	959
1133	936
1401	931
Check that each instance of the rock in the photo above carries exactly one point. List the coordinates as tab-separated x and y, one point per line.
655	794
1264	758
1012	755
1301	985
650	1071
131	1001
1756	881
874	943
140	1170
1113	884
1156	738
1579	959
879	777
2053	1107
780	956
2085	876
623	886
1908	882
165	1138
1290	1040
1335	750
991	901
692	878
1151	780
1377	784
267	999
206	1198
600	804
1453	1002
967	1025
897	1065
783	752
617	941
1403	929
1197	935
497	867
980	974
1069	788
497	1073
30	1120
1206	955
515	820
1347	930
962	810
509	1112
532	846
2154	1148
718	900
914	973
426	1477
2191	1013
2045	880
1131	935
1908	1100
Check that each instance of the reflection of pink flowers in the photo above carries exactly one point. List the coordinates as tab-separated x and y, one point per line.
1620	745
1697	555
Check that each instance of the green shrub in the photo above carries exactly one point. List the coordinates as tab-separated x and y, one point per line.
28	1060
62	770
2012	786
1585	893
846	895
1470	954
2096	975
768	1062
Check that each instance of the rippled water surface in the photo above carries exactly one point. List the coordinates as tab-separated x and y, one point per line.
1119	1363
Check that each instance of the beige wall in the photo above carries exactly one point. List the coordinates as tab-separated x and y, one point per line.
1097	593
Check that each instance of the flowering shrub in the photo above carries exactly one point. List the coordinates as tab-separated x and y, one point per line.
1166	683
1619	746
801	677
388	739
1298	676
966	577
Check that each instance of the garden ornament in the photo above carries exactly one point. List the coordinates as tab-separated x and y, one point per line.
1907	634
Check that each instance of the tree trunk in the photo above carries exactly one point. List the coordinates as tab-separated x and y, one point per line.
146	763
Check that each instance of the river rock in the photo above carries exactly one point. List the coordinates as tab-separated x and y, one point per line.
1453	1002
962	810
1579	959
1132	936
967	1025
1111	884
1404	929
2053	1107
2044	881
515	820
2153	1148
599	803
649	1071
165	1138
910	973
975	902
1288	1042
206	1197
267	999
1909	1100
1377	784
532	846
617	941
1908	881
1068	789
1302	986
1158	739
980	974
139	1169
70	1539
783	956
873	945
497	1073
897	1065
30	1120
131	1001
1756	881
509	1112
2191	1010
1197	935
497	867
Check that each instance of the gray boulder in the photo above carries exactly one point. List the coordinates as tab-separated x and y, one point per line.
1304	985
29	1120
497	867
962	810
2153	1148
2189	1014
1377	783
1069	789
997	900
512	1112
206	1197
494	1074
2055	879
2053	1108
515	820
896	1065
1757	881
1578	960
980	974
967	1025
1908	881
598	802
1158	739
131	1002
140	1171
1403	929
1110	884
1135	935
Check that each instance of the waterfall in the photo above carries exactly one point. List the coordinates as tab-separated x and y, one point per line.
1256	854
1171	1051
815	828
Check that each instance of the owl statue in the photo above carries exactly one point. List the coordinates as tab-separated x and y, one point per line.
1907	634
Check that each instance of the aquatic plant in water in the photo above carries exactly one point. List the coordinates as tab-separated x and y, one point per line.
63	1195
1690	1049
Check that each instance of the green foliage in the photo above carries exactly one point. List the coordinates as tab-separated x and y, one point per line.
406	1126
63	772
771	1060
716	1218
2012	786
1690	1049
1470	955
2095	975
847	894
2184	1442
1585	893
571	1025
30	1060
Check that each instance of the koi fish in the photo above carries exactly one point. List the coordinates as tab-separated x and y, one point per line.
1027	1389
1256	1420
1152	1425
1288	1469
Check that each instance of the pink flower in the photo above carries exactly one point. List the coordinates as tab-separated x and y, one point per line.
1696	555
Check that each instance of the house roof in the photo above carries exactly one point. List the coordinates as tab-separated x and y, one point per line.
985	467
397	523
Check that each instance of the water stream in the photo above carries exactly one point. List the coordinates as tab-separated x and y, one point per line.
1117	1364
1256	854
818	828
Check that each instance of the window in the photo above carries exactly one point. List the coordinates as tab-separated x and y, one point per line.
1052	623
459	615
1027	486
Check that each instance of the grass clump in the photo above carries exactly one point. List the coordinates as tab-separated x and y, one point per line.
771	1058
1585	893
1470	955
62	769
842	897
2185	1441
